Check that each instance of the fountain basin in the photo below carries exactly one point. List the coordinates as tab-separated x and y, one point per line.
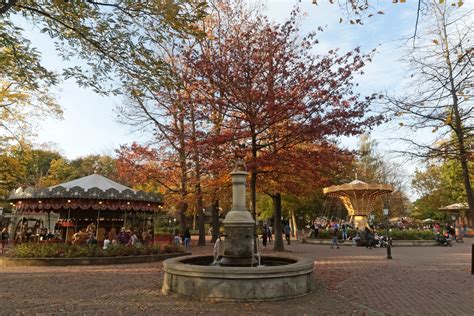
279	278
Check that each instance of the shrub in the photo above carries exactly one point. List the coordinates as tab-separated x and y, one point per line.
56	250
395	234
172	249
415	234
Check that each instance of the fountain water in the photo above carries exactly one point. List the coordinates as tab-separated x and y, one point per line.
259	261
216	251
234	277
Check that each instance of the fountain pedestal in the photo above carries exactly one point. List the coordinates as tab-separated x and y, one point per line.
234	278
238	224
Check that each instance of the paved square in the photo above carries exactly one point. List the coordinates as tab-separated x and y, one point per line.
349	280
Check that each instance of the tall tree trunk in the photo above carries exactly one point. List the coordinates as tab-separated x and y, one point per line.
215	220
458	126
182	216
278	242
463	154
183	192
200	212
180	126
253	187
197	179
253	193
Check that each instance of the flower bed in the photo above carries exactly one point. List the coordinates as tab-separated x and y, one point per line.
39	250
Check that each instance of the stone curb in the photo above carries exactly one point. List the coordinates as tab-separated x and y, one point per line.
8	262
395	243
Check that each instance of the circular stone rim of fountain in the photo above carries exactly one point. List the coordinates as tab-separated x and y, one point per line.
223	283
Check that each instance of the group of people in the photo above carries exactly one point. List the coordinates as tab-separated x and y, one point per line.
319	225
124	238
369	236
184	239
449	232
267	235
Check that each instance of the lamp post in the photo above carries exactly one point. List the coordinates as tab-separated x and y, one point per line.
389	244
170	230
372	219
68	219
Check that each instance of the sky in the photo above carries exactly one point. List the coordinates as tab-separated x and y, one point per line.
90	124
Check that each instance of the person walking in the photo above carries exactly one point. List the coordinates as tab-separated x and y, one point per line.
287	231
187	240
270	234
368	238
334	231
344	231
264	238
4	237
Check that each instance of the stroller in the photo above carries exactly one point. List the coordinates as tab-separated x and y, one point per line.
443	240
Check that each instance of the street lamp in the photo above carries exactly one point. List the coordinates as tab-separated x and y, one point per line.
389	244
372	219
170	228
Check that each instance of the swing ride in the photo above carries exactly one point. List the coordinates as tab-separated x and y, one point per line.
358	197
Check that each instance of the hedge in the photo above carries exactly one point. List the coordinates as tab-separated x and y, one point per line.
57	250
395	234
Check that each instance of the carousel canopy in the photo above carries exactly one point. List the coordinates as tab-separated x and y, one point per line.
455	207
358	187
93	187
93	181
357	196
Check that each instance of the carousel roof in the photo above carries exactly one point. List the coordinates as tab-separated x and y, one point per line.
455	207
358	186
93	181
94	187
357	196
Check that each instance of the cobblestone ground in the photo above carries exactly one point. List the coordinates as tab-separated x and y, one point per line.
349	281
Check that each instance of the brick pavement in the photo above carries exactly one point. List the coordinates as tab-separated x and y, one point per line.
356	281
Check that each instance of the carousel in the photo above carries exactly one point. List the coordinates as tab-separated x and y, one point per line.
460	216
358	197
74	210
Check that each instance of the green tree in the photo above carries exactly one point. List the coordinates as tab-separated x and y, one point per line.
35	161
60	171
440	99
370	166
24	84
101	164
438	185
10	171
97	40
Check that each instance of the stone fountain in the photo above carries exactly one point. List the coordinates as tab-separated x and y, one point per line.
238	276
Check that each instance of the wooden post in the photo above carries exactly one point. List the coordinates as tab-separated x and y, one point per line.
49	221
97	228
472	259
67	223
